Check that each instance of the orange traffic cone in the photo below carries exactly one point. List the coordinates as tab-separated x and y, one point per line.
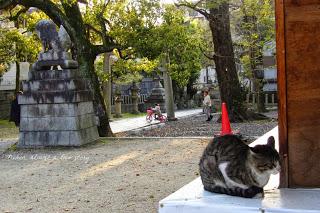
225	123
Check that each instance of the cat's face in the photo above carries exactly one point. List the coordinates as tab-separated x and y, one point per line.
266	158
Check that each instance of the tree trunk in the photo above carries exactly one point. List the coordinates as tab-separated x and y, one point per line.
229	85
86	66
73	22
256	64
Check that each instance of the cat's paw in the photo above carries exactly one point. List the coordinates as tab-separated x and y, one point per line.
259	195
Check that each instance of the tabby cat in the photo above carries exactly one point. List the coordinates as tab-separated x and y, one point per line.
229	166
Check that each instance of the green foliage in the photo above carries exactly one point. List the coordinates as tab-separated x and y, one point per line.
145	33
181	42
152	34
127	71
175	40
15	46
255	27
18	43
6	124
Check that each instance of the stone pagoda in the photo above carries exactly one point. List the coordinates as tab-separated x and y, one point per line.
56	105
157	95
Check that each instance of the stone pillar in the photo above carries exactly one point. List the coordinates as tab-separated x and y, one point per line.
135	98
107	86
168	93
117	100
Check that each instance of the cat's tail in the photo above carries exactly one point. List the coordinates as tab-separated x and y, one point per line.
247	193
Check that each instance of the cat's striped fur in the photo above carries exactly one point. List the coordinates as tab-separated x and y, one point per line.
229	166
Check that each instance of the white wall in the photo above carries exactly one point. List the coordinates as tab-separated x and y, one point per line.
8	81
270	73
211	74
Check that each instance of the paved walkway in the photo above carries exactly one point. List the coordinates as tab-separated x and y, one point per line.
135	123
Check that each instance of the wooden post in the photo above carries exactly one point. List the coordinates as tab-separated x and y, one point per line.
266	99
282	102
298	41
117	100
107	86
134	98
272	99
253	98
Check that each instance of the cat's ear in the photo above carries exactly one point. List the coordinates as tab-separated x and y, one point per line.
271	142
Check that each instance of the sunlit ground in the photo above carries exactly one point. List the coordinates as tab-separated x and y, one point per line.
110	176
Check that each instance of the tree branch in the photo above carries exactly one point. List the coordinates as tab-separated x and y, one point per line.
17	15
98	49
72	10
90	27
194	7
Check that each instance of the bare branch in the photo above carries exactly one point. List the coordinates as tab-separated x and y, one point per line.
195	7
208	56
98	49
107	21
17	15
90	27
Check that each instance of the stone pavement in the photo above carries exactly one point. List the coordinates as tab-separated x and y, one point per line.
135	123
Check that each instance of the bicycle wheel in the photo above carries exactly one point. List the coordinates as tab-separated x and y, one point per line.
149	118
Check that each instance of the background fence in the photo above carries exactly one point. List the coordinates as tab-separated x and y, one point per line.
127	99
270	99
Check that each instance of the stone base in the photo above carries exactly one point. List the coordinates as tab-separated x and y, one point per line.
56	110
33	139
64	64
67	124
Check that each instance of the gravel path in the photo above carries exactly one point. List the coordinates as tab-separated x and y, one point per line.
115	176
197	126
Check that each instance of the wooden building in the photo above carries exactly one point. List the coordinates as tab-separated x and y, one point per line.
298	60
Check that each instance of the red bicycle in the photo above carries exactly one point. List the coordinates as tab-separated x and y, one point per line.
152	116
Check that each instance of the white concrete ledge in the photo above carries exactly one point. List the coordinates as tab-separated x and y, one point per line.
192	198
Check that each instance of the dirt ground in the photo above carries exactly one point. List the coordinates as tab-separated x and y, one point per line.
125	175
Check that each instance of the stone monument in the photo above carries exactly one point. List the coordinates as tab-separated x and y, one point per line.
56	106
